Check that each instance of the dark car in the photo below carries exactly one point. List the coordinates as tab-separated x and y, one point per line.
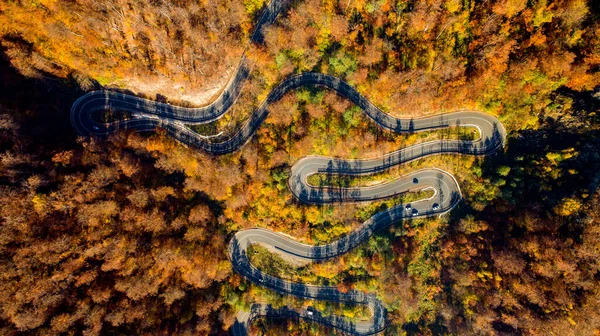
435	207
415	180
415	212
408	207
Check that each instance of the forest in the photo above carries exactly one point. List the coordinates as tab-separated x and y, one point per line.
128	234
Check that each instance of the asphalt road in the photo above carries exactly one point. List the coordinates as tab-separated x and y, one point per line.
147	115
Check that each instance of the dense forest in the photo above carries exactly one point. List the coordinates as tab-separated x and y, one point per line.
128	235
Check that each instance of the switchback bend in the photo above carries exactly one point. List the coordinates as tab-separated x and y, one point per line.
148	115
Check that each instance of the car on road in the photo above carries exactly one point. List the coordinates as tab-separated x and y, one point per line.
96	128
408	207
415	180
435	207
415	212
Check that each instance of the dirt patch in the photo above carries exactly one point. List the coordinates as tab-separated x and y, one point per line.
177	90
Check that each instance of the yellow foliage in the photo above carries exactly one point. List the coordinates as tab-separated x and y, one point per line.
567	207
469	302
326	270
453	5
39	203
253	6
510	8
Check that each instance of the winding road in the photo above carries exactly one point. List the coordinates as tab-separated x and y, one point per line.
148	115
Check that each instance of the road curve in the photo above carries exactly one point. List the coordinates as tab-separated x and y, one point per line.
147	115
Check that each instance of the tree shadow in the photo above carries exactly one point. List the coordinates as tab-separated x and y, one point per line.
41	106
